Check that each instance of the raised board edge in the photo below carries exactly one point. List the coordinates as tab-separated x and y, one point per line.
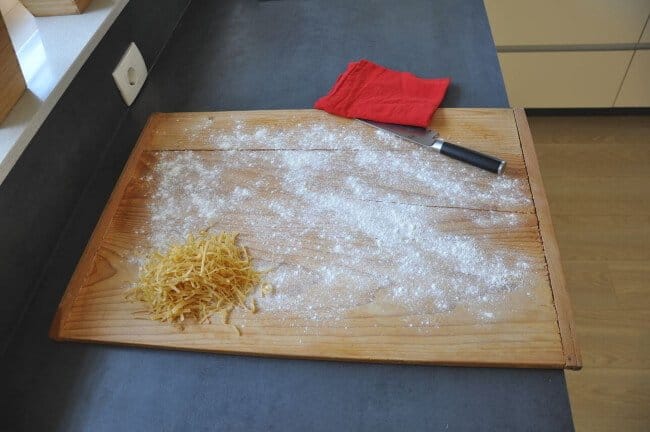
87	257
528	364
561	299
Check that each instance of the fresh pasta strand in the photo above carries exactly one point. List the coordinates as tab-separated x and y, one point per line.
205	275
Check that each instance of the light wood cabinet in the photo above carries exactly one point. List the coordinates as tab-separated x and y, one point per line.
566	22
635	91
563	79
572	53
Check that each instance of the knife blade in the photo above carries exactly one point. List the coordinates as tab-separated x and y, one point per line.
431	139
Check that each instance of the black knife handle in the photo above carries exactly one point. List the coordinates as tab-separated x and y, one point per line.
480	160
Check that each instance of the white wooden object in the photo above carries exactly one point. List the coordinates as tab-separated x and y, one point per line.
569	53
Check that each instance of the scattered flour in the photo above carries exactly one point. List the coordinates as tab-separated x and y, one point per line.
349	222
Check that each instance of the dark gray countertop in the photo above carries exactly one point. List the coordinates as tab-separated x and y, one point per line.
232	55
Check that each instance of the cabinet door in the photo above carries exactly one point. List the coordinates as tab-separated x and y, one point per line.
566	22
635	91
563	79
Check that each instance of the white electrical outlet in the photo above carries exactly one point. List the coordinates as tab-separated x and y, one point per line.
130	74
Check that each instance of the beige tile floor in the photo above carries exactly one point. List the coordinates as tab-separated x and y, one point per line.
596	170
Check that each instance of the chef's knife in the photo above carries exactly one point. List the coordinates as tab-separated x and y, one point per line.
430	138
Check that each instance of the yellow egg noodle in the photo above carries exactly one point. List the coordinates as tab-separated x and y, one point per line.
207	274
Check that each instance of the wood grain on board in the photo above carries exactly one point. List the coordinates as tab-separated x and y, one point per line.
524	334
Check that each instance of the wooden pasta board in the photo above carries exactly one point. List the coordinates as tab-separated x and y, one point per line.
529	331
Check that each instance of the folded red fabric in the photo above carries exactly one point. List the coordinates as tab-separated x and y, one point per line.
372	92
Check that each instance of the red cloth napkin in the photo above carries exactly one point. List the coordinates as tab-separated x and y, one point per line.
372	92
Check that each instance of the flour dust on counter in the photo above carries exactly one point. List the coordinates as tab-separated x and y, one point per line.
342	225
